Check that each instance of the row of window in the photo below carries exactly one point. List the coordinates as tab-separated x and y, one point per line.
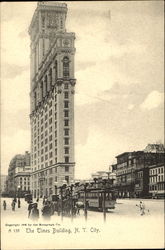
155	179
66	105
156	171
25	188
156	187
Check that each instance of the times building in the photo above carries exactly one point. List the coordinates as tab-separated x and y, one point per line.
51	98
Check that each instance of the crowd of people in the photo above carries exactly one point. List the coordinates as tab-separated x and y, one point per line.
67	207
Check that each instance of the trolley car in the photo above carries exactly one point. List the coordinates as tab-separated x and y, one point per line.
95	199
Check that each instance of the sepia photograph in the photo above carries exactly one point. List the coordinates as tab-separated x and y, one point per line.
82	125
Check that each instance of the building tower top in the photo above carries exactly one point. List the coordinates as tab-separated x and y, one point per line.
48	16
52	3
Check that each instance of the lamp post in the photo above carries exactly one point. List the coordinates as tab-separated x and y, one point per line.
18	188
105	177
61	190
71	197
55	187
85	201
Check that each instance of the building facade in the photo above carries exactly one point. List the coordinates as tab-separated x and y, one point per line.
19	172
3	184
157	181
52	98
133	172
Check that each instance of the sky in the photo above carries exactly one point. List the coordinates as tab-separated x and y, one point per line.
119	67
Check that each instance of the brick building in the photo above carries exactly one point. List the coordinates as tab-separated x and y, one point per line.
133	172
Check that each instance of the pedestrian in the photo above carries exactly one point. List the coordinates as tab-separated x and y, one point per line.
4	205
44	199
15	199
19	203
46	210
13	205
34	212
30	207
142	208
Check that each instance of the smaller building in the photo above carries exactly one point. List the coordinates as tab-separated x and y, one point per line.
156	181
132	171
19	172
3	184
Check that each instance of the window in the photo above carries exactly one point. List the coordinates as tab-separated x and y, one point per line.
66	131
50	171
50	129
50	120
46	85
50	181
66	95
50	104
66	67
66	104
50	77
50	112
50	154
66	141
66	86
66	113
66	150
66	159
50	146
50	137
66	123
66	168
56	70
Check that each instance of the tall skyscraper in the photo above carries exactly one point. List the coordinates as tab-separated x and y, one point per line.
52	98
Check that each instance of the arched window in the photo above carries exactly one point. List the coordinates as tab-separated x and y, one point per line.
56	70
46	85
50	77
66	66
41	86
35	99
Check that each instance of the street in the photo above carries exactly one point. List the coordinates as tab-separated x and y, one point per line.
124	227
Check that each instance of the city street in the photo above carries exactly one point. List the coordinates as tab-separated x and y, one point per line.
124	227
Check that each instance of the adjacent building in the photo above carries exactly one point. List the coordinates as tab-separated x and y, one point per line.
52	98
3	184
139	173
19	172
156	181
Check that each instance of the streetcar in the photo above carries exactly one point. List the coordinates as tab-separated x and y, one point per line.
95	199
